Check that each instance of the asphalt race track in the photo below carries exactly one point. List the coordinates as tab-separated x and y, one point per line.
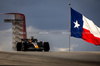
50	58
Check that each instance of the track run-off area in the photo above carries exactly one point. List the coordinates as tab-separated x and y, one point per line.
50	58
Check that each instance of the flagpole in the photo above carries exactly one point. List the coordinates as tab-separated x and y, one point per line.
69	25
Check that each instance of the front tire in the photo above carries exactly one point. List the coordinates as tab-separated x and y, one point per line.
19	46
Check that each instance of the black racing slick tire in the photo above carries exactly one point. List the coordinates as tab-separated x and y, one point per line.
19	46
46	46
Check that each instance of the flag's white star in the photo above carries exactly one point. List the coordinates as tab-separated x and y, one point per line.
76	24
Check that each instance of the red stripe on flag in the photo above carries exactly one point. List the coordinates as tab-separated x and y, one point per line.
89	37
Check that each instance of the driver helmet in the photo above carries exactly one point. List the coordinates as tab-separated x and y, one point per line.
32	38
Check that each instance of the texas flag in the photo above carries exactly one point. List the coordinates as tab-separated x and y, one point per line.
82	27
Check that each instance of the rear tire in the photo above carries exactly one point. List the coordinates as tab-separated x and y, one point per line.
46	46
19	46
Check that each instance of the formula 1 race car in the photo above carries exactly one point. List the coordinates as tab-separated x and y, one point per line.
32	45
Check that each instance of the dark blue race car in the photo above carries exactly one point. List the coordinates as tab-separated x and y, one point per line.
32	45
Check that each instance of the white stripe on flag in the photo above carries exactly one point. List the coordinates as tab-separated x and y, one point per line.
89	25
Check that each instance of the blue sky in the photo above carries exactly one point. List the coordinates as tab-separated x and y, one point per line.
50	17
